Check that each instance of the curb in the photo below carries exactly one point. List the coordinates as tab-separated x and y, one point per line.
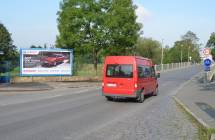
178	101
200	121
25	90
191	113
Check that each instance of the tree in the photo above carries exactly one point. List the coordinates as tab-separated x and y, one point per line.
81	26
211	41
123	28
33	46
183	49
6	45
149	48
190	36
211	44
97	26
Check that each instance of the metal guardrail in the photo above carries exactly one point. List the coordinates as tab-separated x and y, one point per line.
172	66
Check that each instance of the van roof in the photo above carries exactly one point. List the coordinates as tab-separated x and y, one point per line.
108	58
137	57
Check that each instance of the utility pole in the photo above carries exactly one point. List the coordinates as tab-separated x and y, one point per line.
188	54
162	55
181	53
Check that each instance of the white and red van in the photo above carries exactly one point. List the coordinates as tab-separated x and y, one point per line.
130	77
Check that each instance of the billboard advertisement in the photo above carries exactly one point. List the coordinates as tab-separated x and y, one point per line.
46	62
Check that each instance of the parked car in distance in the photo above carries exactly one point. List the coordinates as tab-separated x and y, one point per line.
130	77
52	60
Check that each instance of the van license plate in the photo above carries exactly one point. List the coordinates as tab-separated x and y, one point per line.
111	85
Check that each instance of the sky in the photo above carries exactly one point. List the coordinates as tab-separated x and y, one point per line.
34	22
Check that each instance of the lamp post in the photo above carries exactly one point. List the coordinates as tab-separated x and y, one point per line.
181	53
188	54
162	56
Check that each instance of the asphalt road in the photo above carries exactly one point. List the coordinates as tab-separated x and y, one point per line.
81	113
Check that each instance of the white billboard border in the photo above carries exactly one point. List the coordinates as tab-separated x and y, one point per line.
46	75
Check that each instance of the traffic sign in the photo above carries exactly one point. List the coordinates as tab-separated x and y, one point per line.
207	62
207	51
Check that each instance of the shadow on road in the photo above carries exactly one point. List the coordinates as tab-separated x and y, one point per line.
130	100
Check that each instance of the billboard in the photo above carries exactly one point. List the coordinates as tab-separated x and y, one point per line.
46	62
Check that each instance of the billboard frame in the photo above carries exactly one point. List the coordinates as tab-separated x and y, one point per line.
50	50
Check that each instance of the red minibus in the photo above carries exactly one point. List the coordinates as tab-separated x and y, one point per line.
130	77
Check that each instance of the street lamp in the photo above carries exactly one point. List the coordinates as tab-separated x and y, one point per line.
181	53
162	55
188	54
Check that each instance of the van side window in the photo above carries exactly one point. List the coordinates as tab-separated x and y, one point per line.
140	72
147	71
144	71
153	71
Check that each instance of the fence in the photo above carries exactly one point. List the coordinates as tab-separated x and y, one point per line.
172	66
81	70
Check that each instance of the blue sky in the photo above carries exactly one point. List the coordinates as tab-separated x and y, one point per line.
170	19
34	22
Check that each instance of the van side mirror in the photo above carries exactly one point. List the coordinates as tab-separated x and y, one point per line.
158	75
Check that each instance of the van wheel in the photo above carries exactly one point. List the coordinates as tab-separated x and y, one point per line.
141	98
109	98
155	93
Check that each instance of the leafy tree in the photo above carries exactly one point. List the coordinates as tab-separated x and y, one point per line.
211	44
33	46
149	48
183	49
81	26
6	45
211	41
213	53
190	37
97	26
123	28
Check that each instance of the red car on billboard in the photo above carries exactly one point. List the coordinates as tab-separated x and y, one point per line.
130	77
52	60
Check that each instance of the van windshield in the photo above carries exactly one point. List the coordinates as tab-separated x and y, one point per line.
119	71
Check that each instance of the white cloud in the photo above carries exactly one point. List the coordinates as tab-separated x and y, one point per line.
142	13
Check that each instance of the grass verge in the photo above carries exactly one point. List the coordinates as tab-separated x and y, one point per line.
203	132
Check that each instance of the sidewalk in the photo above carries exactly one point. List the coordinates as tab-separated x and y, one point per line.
42	86
199	99
22	87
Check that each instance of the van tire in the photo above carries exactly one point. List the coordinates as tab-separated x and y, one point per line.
156	91
141	98
109	98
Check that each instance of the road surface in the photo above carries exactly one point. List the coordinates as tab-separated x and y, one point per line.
82	114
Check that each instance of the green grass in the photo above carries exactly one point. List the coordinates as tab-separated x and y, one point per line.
15	71
87	70
203	132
